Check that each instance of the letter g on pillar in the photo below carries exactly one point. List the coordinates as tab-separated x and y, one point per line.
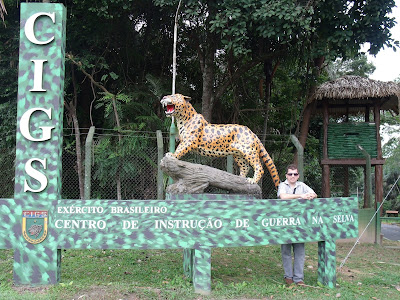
24	125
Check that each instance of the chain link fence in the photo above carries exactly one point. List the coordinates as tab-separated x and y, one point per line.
125	166
355	175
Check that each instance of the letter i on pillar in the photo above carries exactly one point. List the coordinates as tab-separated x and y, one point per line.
39	140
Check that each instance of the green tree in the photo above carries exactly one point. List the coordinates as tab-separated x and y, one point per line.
358	66
391	151
229	38
392	173
340	29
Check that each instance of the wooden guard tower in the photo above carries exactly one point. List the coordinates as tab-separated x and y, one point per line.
364	98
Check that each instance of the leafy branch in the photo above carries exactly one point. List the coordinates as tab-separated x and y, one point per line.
100	86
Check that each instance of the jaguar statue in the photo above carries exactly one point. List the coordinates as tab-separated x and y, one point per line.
197	135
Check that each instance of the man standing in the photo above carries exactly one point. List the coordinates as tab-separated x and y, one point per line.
291	188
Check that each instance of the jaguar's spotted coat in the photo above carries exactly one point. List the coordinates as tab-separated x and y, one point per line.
197	135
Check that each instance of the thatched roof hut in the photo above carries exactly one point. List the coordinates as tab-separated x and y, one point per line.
355	94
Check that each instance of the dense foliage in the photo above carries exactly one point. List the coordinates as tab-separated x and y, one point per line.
223	47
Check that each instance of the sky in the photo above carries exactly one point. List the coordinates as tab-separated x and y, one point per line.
387	62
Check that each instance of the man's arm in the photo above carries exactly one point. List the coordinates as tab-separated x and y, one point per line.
310	192
310	195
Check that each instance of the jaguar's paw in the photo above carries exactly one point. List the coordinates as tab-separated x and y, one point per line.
169	154
251	180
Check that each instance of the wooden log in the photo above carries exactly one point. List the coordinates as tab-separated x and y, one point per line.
190	178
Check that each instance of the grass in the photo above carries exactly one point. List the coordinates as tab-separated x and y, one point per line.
392	222
370	272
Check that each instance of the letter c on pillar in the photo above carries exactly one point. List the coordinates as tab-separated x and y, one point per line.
30	27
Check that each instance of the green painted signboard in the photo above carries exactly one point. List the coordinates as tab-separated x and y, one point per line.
195	222
37	223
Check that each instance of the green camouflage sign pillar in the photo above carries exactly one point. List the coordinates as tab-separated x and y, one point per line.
327	263
39	140
202	271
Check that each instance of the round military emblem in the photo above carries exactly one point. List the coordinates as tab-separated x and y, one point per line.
34	225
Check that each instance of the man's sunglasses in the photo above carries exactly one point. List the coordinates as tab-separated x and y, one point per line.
292	174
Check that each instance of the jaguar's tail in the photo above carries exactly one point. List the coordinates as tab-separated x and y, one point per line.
270	165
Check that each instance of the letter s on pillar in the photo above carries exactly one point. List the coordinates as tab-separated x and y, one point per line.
30	27
36	175
24	125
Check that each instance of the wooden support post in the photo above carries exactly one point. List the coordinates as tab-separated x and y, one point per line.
326	187
346	192
366	114
378	168
325	129
378	185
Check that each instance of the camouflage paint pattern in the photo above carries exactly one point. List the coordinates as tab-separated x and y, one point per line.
201	222
188	257
327	263
37	264
202	271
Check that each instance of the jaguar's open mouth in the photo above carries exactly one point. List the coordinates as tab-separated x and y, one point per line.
168	107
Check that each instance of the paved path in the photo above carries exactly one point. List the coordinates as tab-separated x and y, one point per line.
391	232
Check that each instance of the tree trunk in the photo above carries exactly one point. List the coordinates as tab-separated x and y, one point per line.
78	147
192	178
71	109
310	106
208	84
269	73
267	96
79	157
